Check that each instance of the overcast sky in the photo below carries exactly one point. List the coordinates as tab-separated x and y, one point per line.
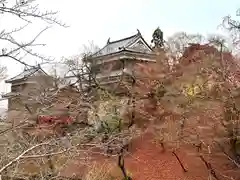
97	20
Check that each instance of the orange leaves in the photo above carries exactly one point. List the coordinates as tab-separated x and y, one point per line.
185	90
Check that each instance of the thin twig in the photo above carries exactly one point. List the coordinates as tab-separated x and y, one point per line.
179	161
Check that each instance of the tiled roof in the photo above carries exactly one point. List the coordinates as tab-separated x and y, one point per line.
10	94
26	73
119	45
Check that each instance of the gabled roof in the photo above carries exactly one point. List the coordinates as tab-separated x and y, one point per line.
26	73
128	43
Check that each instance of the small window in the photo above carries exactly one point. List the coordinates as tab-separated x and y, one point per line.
15	88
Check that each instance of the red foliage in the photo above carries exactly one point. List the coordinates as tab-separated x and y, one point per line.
197	52
194	52
146	161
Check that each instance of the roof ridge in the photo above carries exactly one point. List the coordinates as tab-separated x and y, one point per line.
120	44
31	68
30	71
23	73
116	41
135	35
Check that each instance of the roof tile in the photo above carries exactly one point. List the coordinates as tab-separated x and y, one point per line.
119	45
26	73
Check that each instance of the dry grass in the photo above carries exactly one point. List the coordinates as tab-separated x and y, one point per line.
97	172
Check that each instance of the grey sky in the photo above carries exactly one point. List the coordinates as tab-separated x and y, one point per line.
97	20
